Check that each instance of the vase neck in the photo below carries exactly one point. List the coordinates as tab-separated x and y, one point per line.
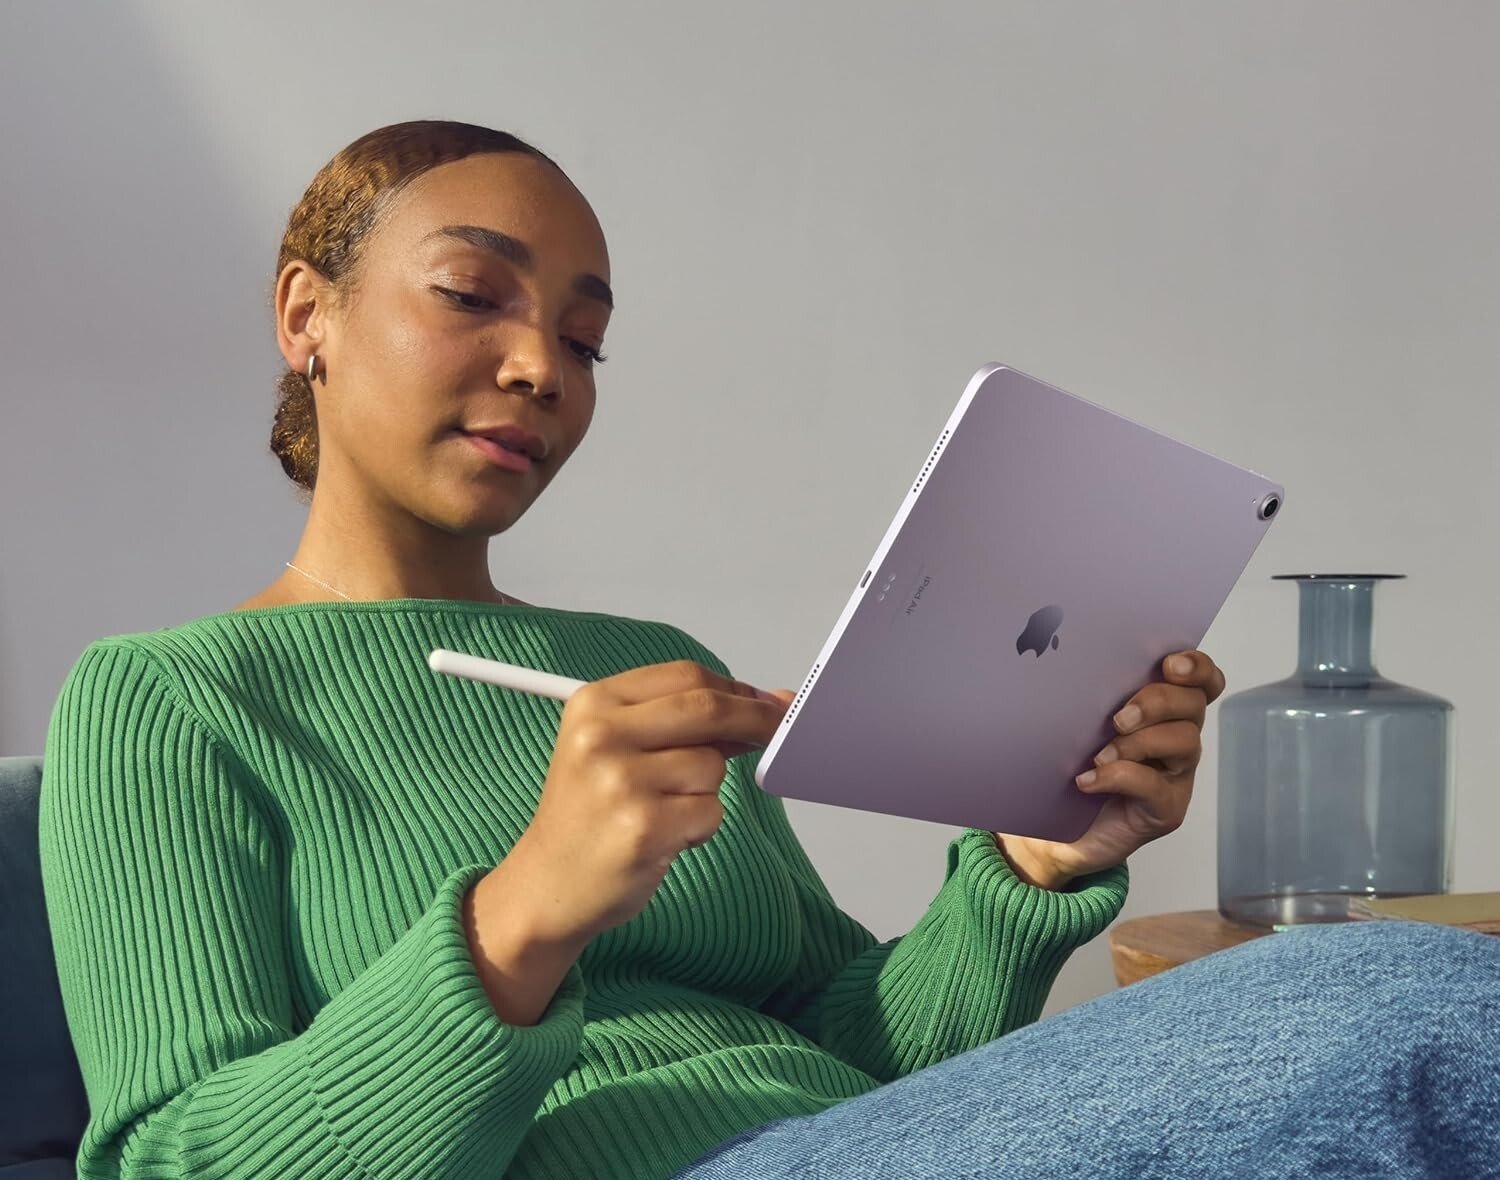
1335	629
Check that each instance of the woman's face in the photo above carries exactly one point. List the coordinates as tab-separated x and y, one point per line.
480	299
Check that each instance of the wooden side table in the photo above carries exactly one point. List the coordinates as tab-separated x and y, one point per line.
1149	945
1146	946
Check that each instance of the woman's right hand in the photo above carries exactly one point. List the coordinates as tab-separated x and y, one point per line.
634	779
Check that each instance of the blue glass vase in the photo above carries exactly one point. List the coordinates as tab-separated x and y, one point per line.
1335	784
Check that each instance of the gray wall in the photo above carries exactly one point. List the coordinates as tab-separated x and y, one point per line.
1268	228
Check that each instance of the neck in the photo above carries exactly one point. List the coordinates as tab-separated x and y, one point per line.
1335	620
372	555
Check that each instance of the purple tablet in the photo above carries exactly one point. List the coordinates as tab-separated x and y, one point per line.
1049	556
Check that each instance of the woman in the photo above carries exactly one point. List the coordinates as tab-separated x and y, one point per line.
320	913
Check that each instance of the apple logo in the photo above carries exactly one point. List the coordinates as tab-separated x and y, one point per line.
1041	631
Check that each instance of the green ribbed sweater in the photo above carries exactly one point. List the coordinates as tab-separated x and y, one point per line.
256	828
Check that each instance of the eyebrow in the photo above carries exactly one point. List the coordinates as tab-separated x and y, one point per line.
518	253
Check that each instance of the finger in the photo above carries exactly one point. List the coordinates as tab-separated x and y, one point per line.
1177	745
694	822
1159	702
689	770
1164	801
649	682
1199	671
682	703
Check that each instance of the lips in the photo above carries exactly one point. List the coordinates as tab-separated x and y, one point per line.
499	455
514	437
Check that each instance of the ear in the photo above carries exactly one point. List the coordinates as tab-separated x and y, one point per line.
304	300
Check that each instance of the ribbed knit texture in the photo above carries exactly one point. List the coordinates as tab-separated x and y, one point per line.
256	829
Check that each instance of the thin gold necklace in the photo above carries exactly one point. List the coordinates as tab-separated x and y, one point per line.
505	599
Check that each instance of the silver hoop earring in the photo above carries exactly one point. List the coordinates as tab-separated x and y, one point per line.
312	362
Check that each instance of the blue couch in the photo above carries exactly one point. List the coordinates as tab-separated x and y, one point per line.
43	1107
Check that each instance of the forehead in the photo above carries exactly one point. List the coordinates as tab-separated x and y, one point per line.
512	192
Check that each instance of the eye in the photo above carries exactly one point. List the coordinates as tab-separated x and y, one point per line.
589	356
466	299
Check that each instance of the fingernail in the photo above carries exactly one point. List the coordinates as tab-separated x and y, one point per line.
1106	755
1128	717
1179	665
767	696
1086	778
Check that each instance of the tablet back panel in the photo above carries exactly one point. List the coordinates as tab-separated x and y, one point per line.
1050	554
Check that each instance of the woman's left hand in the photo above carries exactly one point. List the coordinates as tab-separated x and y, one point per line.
1147	771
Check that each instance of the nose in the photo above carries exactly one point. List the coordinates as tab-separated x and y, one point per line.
532	363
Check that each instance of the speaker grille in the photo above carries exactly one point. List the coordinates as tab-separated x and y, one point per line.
931	459
797	701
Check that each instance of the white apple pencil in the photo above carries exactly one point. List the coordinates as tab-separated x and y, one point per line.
471	667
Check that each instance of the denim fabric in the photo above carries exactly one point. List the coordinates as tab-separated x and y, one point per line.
1368	1049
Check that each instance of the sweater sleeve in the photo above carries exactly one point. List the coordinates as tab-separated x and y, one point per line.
166	888
978	964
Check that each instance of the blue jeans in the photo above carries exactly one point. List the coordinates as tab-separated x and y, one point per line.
1367	1049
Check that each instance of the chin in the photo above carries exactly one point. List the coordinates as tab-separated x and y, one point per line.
488	516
